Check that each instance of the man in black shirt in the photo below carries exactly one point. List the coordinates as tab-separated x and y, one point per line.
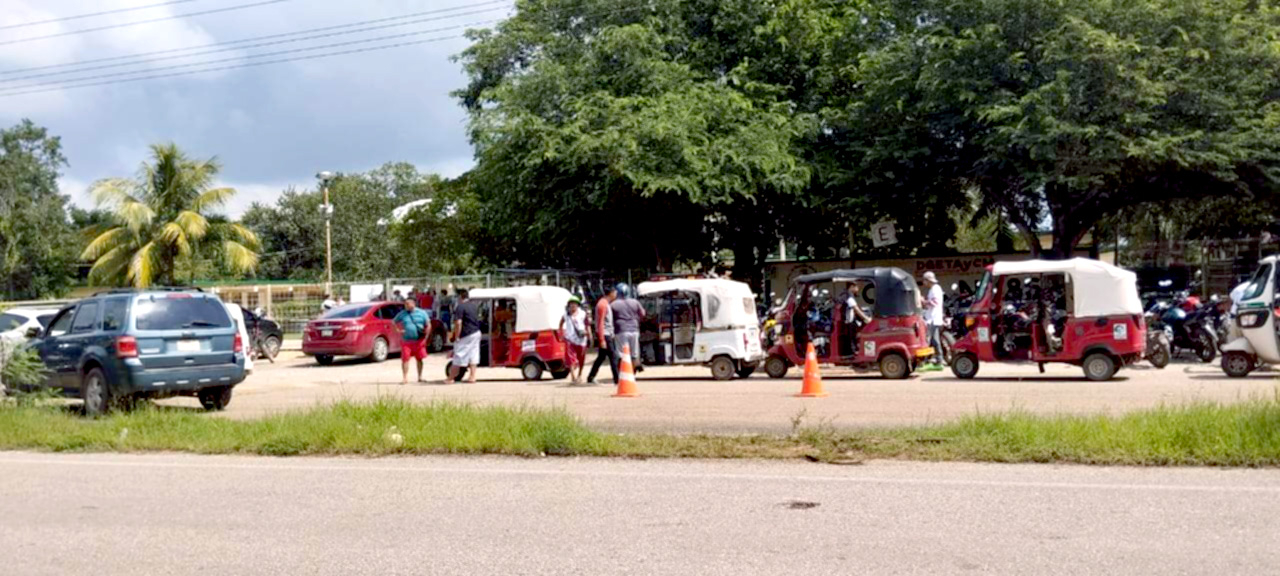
466	334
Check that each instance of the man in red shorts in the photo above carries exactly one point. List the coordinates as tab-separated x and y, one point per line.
415	329
573	326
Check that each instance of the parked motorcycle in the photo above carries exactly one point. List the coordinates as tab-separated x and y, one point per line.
954	306
1187	325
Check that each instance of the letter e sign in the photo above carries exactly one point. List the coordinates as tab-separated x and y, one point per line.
883	234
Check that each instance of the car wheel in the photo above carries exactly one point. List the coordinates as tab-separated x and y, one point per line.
380	350
722	368
531	369
894	367
216	398
964	366
437	342
1237	364
93	389
324	359
1099	366
747	369
776	367
271	347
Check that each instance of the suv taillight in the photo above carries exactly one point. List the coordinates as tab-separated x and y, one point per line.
237	345
126	347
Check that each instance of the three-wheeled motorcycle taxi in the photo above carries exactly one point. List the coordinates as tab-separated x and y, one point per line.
706	321
894	341
520	328
1255	340
1080	311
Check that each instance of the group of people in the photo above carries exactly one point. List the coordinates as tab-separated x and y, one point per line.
414	325
615	328
440	306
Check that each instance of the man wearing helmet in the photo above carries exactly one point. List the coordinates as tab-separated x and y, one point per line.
627	314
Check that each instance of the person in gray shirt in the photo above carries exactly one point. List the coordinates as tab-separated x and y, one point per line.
627	314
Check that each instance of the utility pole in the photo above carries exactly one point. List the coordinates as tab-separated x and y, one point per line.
325	178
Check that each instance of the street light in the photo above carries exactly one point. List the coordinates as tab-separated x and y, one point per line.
325	178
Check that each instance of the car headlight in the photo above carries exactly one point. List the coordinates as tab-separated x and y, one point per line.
1253	319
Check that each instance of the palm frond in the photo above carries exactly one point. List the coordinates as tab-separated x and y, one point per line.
236	233
239	259
112	192
144	265
111	269
174	235
106	242
213	198
195	225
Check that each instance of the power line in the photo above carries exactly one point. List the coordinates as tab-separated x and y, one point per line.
137	22
258	45
242	65
7	91
255	39
93	14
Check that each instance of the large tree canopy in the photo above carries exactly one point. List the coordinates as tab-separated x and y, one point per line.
36	239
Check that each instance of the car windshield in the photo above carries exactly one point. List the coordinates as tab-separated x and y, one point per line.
351	312
180	313
1258	283
10	321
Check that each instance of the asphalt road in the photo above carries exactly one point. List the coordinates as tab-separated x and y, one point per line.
115	515
685	399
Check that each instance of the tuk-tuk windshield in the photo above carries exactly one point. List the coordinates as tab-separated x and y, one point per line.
1258	283
983	284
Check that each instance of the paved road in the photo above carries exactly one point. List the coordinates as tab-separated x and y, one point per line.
112	515
687	400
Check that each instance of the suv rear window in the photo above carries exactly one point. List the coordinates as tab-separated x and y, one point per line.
181	313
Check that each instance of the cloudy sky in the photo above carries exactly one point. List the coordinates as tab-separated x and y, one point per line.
272	125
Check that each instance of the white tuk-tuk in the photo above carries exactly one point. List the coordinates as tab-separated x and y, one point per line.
701	321
1255	339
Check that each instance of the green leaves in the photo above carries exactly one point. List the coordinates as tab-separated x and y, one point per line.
36	239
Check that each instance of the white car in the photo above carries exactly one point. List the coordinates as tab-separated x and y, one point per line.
15	322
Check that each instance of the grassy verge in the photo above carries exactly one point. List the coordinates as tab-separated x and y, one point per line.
1245	434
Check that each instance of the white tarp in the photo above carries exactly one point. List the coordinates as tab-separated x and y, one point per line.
538	308
725	303
1098	288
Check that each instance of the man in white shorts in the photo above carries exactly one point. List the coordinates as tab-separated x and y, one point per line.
466	333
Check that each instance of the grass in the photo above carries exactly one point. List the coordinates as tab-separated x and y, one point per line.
1206	434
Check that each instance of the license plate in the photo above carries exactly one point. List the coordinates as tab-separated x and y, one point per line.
188	345
326	333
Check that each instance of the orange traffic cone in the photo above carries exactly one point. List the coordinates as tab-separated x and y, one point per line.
812	387
626	375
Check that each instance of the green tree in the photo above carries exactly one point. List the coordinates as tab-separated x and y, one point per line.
164	224
1065	112
36	240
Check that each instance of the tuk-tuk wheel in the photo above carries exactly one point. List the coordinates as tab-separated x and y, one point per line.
1099	366
1237	364
776	367
964	366
894	366
723	368
531	369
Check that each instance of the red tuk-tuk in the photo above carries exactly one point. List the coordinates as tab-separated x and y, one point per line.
1080	311
520	328
894	341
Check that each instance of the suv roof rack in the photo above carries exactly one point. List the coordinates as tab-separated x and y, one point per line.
149	289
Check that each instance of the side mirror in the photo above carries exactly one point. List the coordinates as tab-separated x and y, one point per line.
33	333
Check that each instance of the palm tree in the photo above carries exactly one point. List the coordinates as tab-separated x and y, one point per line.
163	218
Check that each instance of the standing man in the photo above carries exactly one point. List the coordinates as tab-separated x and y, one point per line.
854	318
573	327
627	314
414	328
604	335
466	339
933	317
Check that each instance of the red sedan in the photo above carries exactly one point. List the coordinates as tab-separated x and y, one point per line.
363	329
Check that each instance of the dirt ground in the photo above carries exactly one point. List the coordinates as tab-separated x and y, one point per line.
686	399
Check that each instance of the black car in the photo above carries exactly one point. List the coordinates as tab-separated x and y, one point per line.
265	334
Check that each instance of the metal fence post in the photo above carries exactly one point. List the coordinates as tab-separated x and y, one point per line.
268	306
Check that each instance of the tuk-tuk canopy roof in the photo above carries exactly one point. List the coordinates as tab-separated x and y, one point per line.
725	303
1098	288
538	308
896	291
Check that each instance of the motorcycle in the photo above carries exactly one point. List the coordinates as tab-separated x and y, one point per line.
1187	325
1159	349
954	307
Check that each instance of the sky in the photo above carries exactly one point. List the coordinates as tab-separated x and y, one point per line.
272	126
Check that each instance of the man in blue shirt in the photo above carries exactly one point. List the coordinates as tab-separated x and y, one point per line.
415	329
